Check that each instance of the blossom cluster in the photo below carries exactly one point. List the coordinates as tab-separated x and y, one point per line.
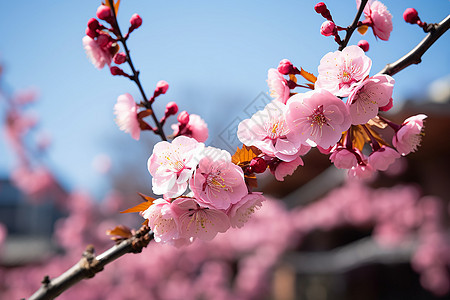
218	197
341	109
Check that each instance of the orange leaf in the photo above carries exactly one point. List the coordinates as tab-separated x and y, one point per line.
293	78
121	231
141	206
363	29
308	76
245	155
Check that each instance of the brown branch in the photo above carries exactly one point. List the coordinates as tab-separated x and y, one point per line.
415	55
89	264
354	25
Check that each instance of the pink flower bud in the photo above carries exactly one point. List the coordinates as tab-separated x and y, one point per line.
285	67
103	40
258	165
91	33
320	8
183	118
411	16
171	109
104	12
136	21
93	24
120	58
363	44
387	106
161	87
328	28
115	71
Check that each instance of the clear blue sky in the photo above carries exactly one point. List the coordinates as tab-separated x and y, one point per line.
214	54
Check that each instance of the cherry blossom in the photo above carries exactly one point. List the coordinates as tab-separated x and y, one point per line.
365	100
343	158
98	55
241	212
192	126
268	131
383	158
340	70
217	182
283	169
199	222
126	115
278	85
161	220
172	164
409	136
378	17
317	118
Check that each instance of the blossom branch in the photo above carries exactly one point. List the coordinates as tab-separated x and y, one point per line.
415	55
135	76
89	264
354	25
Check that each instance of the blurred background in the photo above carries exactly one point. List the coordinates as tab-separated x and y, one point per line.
320	237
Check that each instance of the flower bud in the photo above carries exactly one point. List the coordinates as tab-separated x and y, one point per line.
161	87
285	67
136	21
104	12
171	109
328	28
120	58
363	44
411	16
103	40
93	24
91	33
387	106
258	165
115	71
320	8
183	118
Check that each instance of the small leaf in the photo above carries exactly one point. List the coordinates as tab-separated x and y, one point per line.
363	29
146	198
116	5
360	137
293	78
144	113
120	230
144	125
308	76
141	206
243	156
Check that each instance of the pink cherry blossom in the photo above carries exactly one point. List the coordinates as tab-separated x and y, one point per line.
278	85
383	158
362	171
378	17
199	222
340	70
126	112
317	118
172	164
342	158
99	56
162	221
195	128
217	182
241	212
365	100
283	169
268	131
409	136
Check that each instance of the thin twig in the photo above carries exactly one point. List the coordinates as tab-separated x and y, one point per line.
415	55
135	76
89	265
354	25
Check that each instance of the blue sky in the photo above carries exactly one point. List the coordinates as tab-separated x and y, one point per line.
214	54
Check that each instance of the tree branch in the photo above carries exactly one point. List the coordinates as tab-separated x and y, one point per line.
89	264
354	25
415	55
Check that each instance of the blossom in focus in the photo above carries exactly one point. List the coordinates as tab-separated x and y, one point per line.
198	222
283	169
339	71
365	100
99	56
383	158
241	212
378	17
267	130
409	136
172	164
217	182
277	85
126	112
161	220
317	118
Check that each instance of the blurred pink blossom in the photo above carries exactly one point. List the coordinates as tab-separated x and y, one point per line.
241	212
99	56
126	112
383	158
278	86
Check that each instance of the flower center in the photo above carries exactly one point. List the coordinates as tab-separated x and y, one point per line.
215	182
276	128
